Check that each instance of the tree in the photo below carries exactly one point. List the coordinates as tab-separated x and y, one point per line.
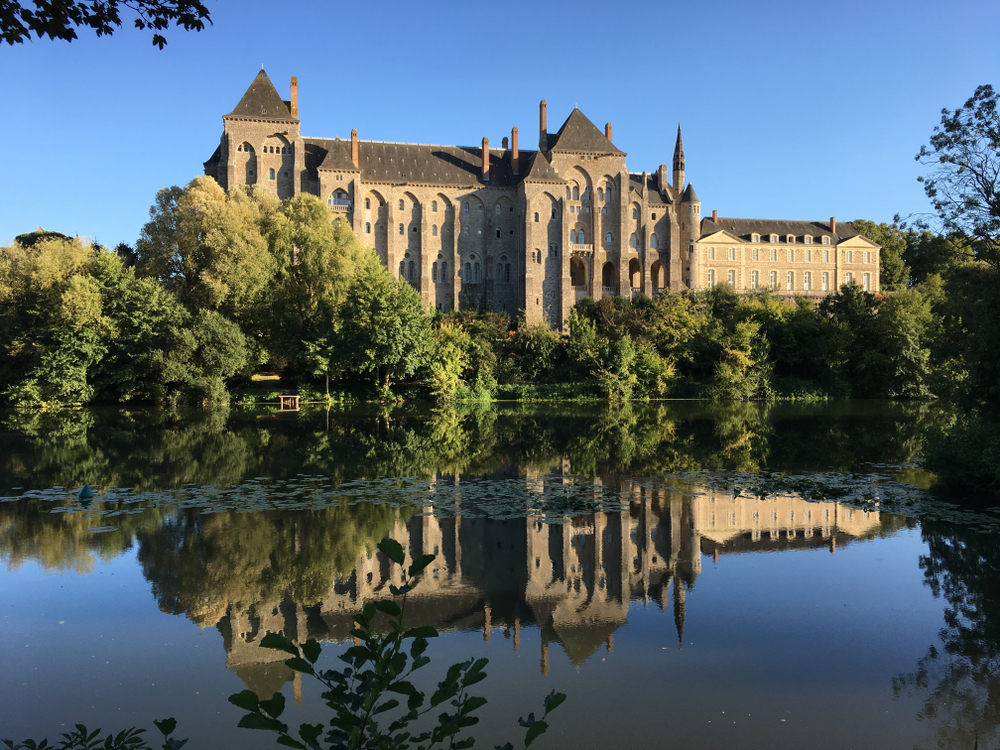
58	19
893	272
963	183
385	329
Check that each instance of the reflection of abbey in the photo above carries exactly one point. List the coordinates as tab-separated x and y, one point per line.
572	581
511	229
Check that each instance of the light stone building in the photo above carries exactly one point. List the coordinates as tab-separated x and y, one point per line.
511	229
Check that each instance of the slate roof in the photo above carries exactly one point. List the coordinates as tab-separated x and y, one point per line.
417	163
540	170
653	194
743	228
690	196
261	100
578	134
215	158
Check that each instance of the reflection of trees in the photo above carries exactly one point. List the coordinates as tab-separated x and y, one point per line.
961	678
203	564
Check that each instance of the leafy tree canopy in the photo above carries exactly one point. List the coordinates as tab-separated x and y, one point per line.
59	19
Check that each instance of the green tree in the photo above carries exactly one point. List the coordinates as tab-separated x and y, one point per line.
385	332
59	20
893	273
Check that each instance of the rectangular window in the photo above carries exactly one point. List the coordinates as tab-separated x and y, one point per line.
791	255
711	278
732	253
756	253
826	281
868	257
754	279
848	279
807	281
774	279
732	278
848	256
826	256
711	253
774	256
809	256
867	282
790	280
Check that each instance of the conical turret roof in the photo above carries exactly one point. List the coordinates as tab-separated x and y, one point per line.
261	100
578	134
690	196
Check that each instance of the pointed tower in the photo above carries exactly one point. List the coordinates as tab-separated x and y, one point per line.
679	163
261	143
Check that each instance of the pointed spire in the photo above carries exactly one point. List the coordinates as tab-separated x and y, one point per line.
679	152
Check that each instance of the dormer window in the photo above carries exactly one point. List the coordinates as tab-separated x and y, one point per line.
755	237
826	240
774	238
808	239
790	239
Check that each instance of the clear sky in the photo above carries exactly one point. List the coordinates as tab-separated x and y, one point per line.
797	110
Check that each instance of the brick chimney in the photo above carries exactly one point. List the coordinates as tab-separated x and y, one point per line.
354	147
514	157
715	215
607	130
295	96
486	159
833	224
543	126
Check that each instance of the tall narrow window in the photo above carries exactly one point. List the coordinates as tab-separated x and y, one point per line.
711	253
754	279
368	227
809	256
848	257
732	253
607	238
711	277
848	278
402	230
607	194
576	193
465	207
867	282
498	233
868	257
409	270
774	255
468	273
402	269
600	194
774	279
756	253
368	202
826	240
635	213
807	281
475	272
402	204
826	256
434	230
499	272
434	271
536	217
731	278
825	281
270	174
632	241
790	280
444	271
653	242
434	207
572	237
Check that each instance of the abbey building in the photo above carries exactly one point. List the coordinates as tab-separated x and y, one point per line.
533	230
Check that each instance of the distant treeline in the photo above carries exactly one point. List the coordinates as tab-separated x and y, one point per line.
222	285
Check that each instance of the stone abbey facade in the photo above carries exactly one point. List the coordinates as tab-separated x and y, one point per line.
510	229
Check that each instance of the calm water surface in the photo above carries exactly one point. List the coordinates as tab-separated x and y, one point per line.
602	553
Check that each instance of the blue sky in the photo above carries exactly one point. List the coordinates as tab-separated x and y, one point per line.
798	110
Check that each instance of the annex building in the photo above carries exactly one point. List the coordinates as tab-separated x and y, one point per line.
511	229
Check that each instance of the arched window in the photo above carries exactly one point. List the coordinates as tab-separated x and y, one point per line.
755	237
572	236
536	217
402	204
339	198
498	232
497	209
368	227
270	174
635	213
475	272
553	213
468	273
653	242
434	230
499	272
774	238
434	207
444	271
402	269
465	207
633	241
402	230
600	194
576	193
607	194
368	202
607	238
506	275
808	239
586	194
409	269
434	271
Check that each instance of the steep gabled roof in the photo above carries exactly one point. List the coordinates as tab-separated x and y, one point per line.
261	100
578	134
653	194
541	171
337	156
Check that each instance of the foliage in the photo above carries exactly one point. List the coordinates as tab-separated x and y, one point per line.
964	165
379	667
893	273
83	739
59	20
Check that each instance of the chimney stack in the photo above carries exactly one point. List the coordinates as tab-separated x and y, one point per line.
506	143
295	97
354	147
607	130
486	159
543	126
833	224
715	215
514	157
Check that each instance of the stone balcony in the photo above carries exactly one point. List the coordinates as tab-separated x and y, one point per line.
576	249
